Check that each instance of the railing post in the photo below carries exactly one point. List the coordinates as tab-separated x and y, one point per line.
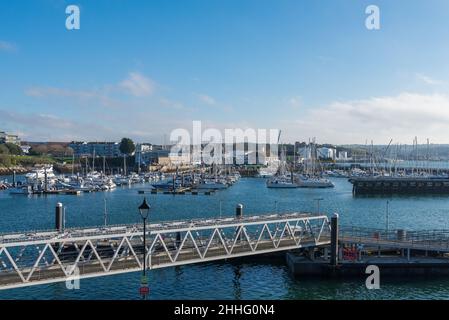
239	215
334	240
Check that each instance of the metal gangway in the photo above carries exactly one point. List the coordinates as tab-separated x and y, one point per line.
422	240
32	258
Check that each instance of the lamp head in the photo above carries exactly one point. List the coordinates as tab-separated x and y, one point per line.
144	209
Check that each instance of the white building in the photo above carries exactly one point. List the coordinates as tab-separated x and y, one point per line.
305	153
179	159
25	149
327	153
9	138
342	155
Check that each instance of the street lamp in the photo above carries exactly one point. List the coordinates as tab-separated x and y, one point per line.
144	209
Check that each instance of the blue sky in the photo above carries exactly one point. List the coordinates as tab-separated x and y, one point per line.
143	68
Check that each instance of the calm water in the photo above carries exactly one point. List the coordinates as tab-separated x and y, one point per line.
228	280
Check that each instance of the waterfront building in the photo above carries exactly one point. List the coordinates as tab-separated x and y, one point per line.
9	138
146	155
342	155
142	149
101	149
305	153
179	159
326	153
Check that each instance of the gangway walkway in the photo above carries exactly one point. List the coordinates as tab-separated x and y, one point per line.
33	258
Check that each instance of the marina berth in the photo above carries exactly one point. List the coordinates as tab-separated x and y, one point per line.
400	185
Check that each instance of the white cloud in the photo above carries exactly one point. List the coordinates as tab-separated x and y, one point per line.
53	91
428	80
400	117
48	127
7	46
138	85
294	102
135	85
98	95
206	99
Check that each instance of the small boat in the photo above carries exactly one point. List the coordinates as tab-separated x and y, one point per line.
22	190
281	182
41	173
208	184
314	182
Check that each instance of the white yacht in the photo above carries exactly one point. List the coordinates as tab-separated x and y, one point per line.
282	178
267	172
281	182
40	173
314	182
270	170
312	177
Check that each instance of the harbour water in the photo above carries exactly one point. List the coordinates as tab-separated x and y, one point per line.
229	279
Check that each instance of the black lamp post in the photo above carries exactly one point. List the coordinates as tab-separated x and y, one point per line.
144	209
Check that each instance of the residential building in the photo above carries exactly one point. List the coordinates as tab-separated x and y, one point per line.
101	149
327	153
147	157
342	155
9	138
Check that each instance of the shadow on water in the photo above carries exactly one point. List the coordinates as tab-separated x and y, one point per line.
405	196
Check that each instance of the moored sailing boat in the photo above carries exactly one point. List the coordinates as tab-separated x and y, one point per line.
311	179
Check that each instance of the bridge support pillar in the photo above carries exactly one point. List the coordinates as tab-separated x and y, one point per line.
334	240
326	253
311	253
408	254
239	211
59	217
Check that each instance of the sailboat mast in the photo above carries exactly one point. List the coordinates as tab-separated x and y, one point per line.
93	161
73	162
124	164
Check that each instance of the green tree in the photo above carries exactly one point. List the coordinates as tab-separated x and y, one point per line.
4	149
33	152
5	160
14	149
127	146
